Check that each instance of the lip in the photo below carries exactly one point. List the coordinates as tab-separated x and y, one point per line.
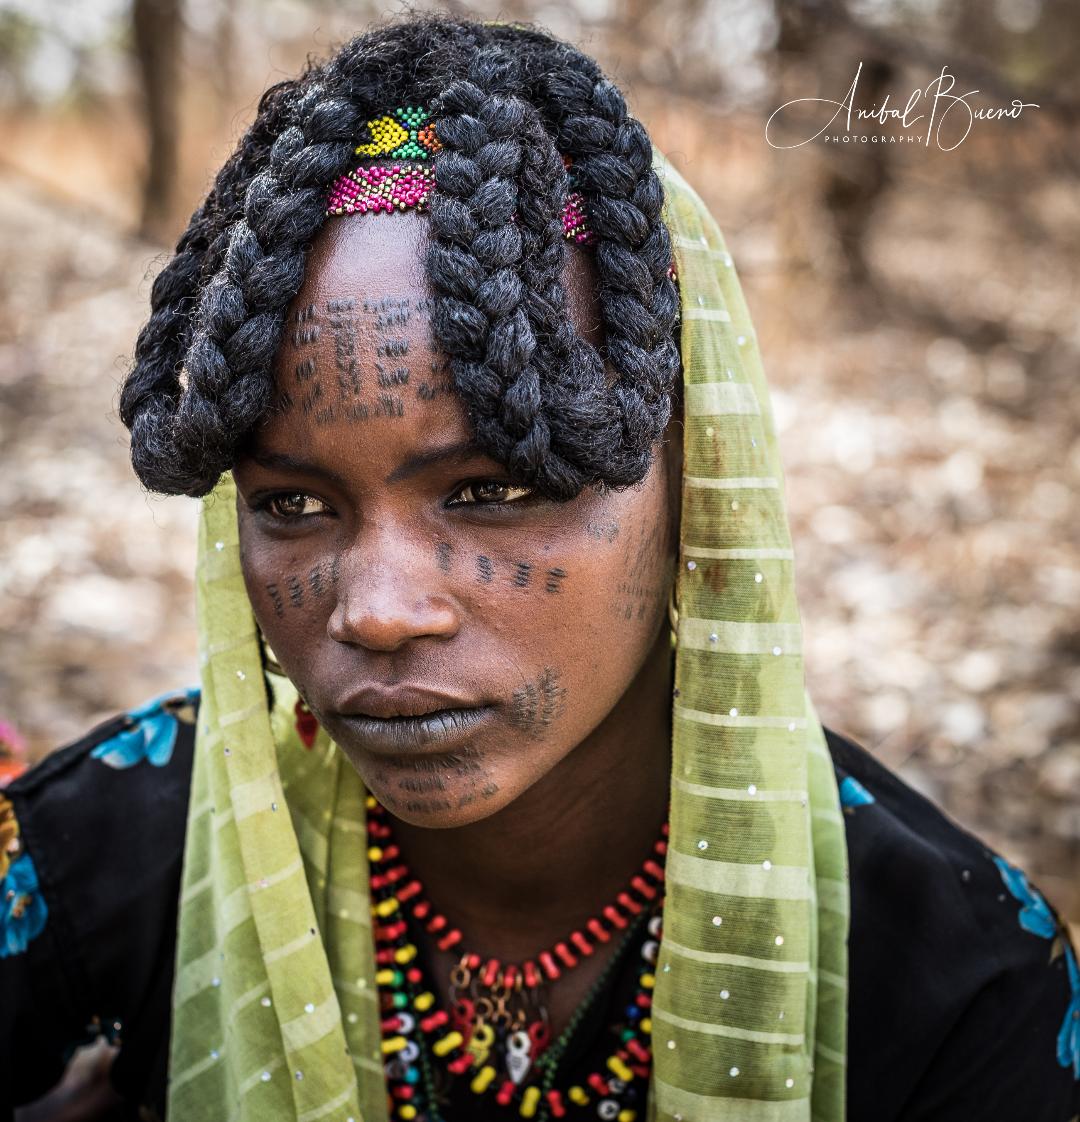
401	701
441	729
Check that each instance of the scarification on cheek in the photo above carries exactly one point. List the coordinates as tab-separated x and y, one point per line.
555	577
321	578
639	590
443	554
485	569
276	599
522	571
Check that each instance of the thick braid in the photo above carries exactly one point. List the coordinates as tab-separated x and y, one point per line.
241	312
475	256
538	395
613	169
149	396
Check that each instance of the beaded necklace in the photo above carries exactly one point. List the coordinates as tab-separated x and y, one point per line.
496	1031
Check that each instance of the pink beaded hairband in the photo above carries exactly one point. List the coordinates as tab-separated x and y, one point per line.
409	135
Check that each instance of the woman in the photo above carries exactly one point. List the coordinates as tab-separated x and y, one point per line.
464	833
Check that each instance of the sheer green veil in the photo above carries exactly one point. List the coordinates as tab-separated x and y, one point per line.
275	1011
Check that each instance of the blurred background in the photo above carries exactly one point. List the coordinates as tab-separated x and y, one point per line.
916	310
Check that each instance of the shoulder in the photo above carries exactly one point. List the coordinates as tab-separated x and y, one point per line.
965	994
113	800
91	850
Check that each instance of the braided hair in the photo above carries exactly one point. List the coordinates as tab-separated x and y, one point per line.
507	100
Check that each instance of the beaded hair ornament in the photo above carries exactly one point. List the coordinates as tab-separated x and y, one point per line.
408	134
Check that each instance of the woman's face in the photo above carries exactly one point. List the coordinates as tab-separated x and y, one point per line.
457	636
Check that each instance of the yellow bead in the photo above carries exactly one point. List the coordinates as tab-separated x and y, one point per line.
447	1044
529	1102
393	1044
627	1115
386	977
405	954
374	853
370	802
386	908
646	1025
407	1110
577	1095
483	1079
620	1069
424	1002
648	981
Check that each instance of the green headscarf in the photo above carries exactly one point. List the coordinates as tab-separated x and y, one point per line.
275	1012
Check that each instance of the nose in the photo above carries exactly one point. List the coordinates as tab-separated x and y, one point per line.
387	598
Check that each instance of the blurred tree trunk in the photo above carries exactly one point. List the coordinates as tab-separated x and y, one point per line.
157	26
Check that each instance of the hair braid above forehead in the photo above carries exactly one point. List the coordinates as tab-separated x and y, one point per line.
506	101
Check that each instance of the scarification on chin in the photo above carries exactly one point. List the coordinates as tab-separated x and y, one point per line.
538	704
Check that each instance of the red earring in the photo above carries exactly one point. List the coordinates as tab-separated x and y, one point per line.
306	725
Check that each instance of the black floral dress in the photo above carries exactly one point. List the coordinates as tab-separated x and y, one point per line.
964	991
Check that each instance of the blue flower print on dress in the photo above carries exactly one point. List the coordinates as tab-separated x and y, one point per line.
1035	915
1068	1043
853	794
23	911
1038	917
151	731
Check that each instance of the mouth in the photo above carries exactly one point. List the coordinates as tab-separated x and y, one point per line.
440	728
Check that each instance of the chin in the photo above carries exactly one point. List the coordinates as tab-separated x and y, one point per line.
437	791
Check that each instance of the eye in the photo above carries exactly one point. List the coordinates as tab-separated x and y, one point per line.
290	505
490	492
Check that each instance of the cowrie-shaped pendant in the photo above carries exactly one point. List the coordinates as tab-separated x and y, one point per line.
518	1055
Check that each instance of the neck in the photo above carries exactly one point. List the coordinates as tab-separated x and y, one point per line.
525	877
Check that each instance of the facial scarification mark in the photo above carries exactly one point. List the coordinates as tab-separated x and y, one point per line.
555	577
522	572
537	704
438	382
485	569
635	594
316	581
335	570
443	551
274	593
342	323
296	591
306	331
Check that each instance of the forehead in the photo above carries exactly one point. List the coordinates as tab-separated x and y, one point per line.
358	348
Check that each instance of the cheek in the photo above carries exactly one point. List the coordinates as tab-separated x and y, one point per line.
291	589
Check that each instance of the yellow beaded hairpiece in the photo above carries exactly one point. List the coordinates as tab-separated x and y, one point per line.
408	134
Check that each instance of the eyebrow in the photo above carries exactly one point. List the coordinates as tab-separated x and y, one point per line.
447	453
282	461
458	451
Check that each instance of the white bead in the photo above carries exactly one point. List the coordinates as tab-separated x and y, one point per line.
309	1008
758	578
789	1082
733	712
702	844
766	864
779	940
219	546
752	789
717	920
265	1077
734	1071
691	565
777	650
265	1003
724	995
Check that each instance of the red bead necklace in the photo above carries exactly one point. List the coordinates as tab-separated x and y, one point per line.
498	1009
